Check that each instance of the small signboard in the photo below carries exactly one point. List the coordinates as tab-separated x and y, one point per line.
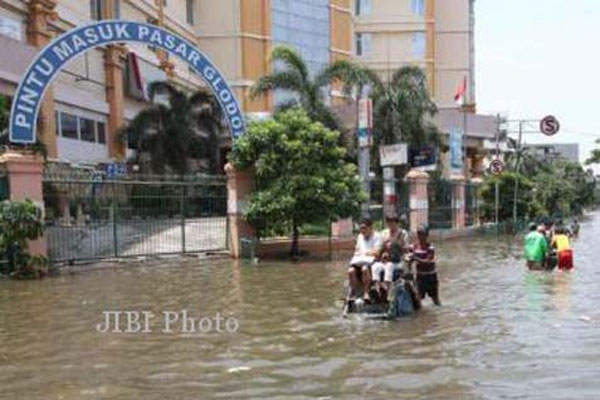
549	125
395	154
365	123
456	150
115	170
496	167
424	158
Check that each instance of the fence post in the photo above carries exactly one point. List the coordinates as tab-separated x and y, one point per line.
114	220
418	200
458	201
25	173
239	186
182	211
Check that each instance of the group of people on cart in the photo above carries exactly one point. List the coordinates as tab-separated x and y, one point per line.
381	258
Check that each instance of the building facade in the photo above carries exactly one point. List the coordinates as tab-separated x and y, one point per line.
95	94
555	151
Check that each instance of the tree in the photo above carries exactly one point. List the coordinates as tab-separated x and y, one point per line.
595	157
301	176
293	76
403	110
527	205
170	133
4	114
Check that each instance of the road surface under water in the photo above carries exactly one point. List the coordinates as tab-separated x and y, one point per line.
502	332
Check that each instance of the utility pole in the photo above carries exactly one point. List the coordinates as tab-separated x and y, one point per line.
517	166
497	188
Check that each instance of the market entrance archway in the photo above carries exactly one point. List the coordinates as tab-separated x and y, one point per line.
69	45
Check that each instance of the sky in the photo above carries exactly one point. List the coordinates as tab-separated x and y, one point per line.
540	57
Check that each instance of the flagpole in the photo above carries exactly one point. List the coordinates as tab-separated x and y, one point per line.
465	138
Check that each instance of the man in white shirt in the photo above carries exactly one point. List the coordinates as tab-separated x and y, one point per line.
368	247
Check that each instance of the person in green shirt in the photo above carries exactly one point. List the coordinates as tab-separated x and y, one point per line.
536	246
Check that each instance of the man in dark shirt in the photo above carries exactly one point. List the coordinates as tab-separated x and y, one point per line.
423	255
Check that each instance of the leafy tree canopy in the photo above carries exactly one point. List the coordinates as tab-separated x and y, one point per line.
301	176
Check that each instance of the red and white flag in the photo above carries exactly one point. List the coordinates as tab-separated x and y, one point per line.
460	97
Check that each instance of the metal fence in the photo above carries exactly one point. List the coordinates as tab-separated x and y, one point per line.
92	217
471	204
441	206
3	186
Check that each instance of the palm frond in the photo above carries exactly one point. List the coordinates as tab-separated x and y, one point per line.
288	80
292	60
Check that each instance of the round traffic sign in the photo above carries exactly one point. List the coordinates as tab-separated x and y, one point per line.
497	167
549	126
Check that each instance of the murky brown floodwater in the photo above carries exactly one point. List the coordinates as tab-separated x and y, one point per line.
502	333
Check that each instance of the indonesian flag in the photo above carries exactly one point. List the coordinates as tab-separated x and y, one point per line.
461	93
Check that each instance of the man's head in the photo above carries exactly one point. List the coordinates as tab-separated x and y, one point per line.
392	222
366	226
422	233
532	227
541	228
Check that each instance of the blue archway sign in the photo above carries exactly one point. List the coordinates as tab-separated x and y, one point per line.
61	50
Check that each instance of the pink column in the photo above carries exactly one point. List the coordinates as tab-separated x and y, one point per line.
458	202
418	198
240	185
25	182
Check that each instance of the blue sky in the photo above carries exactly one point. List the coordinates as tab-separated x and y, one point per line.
539	57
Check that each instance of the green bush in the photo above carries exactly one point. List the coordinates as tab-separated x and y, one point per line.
21	221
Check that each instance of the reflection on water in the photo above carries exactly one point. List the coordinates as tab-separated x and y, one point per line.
502	333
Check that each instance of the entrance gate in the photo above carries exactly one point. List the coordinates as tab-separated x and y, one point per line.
89	217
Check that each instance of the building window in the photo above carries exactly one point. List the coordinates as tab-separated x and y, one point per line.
68	126
363	7
101	128
418	7
189	11
87	130
71	126
97	14
418	45
363	44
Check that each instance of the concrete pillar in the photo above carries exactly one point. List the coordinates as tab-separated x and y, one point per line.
342	228
458	202
38	35
418	198
25	173
240	185
478	182
113	68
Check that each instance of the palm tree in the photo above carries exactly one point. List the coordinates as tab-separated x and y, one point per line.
403	110
169	132
295	77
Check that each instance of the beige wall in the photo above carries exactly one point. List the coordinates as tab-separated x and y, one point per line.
453	58
393	26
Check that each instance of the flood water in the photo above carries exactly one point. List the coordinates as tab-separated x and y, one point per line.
502	333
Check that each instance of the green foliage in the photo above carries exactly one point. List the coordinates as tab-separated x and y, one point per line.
301	176
294	77
4	114
527	206
169	133
595	157
551	189
20	222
